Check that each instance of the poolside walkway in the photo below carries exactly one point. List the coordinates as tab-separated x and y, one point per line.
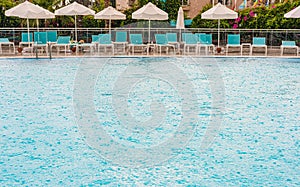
273	51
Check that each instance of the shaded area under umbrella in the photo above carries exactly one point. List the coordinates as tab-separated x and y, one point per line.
110	13
28	11
74	9
219	12
150	12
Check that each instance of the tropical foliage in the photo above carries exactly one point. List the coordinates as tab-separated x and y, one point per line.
172	6
269	17
4	21
59	21
201	23
169	6
260	17
253	18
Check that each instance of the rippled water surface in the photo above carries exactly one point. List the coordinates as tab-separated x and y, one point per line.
150	121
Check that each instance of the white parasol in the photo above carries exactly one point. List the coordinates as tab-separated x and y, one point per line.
219	12
150	12
110	13
28	11
74	9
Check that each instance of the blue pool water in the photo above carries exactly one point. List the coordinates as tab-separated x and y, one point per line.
150	121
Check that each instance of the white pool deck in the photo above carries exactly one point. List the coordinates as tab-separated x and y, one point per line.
273	51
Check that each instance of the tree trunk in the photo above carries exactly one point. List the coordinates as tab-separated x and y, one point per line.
106	3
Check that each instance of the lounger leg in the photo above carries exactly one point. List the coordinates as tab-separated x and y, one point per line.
226	50
266	49
148	47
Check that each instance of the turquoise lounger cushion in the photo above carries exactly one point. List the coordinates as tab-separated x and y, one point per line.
161	39
63	40
40	37
25	37
288	43
233	39
171	37
95	38
121	36
259	41
136	39
51	36
105	39
4	40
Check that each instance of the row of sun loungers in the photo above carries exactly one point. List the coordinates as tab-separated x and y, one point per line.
258	42
191	44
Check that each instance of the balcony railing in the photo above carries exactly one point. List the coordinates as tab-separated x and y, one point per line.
185	2
131	2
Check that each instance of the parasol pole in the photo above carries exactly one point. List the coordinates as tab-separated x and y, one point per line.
28	32
180	38
149	32
38	39
218	32
37	24
75	29
109	25
38	34
235	5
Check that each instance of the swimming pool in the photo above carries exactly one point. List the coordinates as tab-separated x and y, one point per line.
86	122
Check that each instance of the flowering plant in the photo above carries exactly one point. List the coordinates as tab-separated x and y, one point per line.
260	17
